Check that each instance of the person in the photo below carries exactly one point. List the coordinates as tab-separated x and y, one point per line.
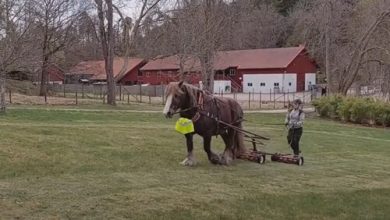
294	122
323	91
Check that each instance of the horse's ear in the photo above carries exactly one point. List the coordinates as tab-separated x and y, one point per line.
181	83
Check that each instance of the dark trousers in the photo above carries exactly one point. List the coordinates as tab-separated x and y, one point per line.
293	138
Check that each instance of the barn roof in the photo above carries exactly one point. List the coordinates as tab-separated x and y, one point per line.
172	63
96	68
271	58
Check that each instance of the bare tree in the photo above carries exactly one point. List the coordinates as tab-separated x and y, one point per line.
148	9
54	22
106	33
15	46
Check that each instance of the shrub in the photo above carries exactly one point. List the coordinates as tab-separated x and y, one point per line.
354	109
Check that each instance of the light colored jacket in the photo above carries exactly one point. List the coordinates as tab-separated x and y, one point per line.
295	118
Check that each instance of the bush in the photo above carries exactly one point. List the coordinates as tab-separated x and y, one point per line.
354	109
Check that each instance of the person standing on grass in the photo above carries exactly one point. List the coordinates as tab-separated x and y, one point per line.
294	122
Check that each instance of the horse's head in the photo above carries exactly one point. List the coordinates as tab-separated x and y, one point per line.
179	96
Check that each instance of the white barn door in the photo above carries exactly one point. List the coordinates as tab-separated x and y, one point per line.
275	82
310	79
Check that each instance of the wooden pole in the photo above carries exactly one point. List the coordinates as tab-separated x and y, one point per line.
82	90
45	97
274	100
128	98
140	93
77	102
260	101
270	94
249	100
120	92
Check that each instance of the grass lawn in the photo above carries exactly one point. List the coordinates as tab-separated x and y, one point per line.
120	165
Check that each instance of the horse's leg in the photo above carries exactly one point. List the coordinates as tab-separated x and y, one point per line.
228	139
213	158
190	159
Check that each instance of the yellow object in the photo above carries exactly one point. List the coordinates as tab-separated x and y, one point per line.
184	126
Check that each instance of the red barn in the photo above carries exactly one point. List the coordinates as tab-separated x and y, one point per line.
55	74
167	69
95	70
258	70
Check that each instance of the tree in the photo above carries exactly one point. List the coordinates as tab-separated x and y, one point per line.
15	46
343	34
106	34
55	20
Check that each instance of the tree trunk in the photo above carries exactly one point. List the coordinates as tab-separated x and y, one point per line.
329	79
44	77
109	59
207	73
107	41
2	92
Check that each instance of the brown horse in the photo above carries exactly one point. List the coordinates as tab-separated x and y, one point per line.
205	111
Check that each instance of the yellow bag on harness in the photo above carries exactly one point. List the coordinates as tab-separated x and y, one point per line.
184	126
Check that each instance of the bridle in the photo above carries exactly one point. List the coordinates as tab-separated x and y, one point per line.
199	106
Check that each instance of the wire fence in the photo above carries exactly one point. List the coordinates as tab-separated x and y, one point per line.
78	94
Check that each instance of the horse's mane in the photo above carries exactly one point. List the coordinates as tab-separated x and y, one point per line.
177	88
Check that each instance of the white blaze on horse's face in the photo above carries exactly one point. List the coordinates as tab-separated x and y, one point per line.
168	104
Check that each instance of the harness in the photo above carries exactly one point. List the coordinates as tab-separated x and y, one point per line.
201	112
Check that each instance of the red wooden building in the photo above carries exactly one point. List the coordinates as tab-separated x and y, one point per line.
56	75
258	70
94	71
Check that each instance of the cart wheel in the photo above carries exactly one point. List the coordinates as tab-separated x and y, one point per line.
261	159
300	161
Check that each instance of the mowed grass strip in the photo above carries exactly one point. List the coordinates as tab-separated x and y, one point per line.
119	165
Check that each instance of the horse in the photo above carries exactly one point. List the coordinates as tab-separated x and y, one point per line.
210	116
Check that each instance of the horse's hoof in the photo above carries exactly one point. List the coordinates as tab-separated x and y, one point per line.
225	160
188	162
215	159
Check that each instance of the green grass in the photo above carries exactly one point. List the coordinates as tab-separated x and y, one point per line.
119	165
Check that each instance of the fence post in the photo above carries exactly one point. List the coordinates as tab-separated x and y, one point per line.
10	97
260	101
284	99
270	95
64	91
249	100
128	98
162	93
77	101
46	97
120	92
274	100
288	95
82	90
140	93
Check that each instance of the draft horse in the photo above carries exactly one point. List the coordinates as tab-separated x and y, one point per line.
207	111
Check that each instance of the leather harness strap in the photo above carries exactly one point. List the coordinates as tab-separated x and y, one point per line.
200	107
